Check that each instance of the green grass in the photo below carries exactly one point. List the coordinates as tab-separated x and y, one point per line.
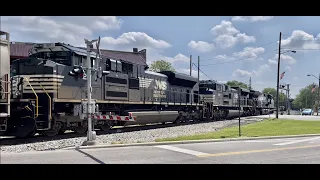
264	128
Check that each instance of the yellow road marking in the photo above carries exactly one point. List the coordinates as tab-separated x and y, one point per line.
257	151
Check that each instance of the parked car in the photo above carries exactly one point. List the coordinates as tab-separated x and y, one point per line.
307	112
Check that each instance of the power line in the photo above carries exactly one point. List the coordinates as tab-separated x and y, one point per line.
203	72
258	46
238	60
301	49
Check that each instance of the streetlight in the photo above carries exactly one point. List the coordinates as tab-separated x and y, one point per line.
318	91
278	77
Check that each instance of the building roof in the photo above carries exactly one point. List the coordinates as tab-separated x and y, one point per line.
131	57
20	50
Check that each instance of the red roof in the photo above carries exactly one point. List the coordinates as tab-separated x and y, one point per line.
20	49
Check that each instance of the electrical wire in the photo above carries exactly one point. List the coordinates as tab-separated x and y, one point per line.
238	60
203	72
258	46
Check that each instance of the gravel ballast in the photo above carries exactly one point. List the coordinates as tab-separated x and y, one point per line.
127	137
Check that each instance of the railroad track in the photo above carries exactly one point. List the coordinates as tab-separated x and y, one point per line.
8	141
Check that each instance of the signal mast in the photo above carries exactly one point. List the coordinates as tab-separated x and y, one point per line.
85	73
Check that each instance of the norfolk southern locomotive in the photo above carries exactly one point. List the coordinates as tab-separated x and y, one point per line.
45	92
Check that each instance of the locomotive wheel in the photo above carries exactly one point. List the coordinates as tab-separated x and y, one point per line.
33	132
50	133
178	120
105	127
53	131
26	127
82	129
61	131
2	133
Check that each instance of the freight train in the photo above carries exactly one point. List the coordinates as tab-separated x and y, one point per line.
46	93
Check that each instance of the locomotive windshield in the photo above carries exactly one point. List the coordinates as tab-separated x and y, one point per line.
29	66
61	57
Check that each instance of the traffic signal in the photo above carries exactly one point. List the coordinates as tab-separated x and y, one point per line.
77	72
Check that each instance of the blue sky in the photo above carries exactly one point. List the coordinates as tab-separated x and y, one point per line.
230	48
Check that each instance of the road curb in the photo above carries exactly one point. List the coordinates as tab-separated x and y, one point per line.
186	142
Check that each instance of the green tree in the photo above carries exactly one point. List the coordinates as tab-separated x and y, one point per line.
273	92
305	98
237	83
161	65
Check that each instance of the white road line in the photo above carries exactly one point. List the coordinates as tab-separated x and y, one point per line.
263	141
181	150
298	141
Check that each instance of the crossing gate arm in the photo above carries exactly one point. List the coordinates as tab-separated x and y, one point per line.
114	118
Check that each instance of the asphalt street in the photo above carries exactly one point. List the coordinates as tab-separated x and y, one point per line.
292	117
304	150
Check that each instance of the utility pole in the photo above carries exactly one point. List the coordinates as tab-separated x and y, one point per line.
318	95
190	65
250	83
278	77
198	78
239	120
288	98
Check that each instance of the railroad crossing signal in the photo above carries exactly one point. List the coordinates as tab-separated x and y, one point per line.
77	72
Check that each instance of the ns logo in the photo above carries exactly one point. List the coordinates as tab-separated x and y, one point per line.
161	85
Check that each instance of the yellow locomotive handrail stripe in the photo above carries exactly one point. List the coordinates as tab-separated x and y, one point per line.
49	102
37	107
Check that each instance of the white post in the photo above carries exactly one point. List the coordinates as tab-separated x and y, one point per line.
89	91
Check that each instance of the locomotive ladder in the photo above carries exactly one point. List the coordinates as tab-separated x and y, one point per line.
6	93
37	100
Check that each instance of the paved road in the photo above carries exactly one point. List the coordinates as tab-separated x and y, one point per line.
293	117
282	151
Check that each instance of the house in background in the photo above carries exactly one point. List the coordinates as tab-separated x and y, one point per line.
19	50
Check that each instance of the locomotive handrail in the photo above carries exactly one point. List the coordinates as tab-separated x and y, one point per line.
37	107
50	104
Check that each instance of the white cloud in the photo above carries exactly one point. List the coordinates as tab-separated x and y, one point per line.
228	36
262	69
251	18
295	78
250	53
107	23
224	28
73	29
201	46
68	29
301	40
222	82
225	36
283	58
224	58
178	58
243	73
287	67
136	39
272	61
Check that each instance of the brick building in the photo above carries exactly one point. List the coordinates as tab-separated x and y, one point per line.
21	50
